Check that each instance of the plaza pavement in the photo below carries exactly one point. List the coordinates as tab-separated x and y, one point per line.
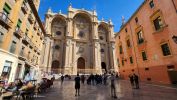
101	92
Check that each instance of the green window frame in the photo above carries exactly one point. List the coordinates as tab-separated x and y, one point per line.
19	23
7	8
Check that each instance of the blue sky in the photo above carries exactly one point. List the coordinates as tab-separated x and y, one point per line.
107	9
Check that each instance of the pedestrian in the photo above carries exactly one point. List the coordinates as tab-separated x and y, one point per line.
83	79
136	79
105	79
131	80
62	79
113	87
77	85
92	77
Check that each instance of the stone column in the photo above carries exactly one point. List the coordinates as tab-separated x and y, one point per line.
114	61
74	59
112	47
69	28
68	56
97	57
48	22
50	58
96	48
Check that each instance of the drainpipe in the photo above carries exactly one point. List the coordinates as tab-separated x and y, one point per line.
133	44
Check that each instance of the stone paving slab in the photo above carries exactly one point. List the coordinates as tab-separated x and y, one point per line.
101	92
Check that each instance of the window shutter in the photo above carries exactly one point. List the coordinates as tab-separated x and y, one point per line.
19	23
7	8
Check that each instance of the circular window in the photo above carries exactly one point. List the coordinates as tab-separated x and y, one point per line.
58	33
102	50
81	34
57	47
101	37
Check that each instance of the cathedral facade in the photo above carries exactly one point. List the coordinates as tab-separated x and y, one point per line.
77	42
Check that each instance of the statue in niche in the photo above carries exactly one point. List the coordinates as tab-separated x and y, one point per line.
80	50
56	54
81	23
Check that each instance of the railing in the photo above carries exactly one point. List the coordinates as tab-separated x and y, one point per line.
24	8
5	19
87	71
32	45
26	38
18	32
36	26
30	18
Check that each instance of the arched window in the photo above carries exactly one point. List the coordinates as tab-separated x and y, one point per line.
81	34
102	50
101	37
58	33
57	47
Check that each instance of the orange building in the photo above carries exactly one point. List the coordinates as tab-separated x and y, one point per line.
144	44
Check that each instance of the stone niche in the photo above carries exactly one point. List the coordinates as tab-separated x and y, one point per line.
58	28
82	28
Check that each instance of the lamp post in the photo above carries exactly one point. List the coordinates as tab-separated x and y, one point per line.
174	38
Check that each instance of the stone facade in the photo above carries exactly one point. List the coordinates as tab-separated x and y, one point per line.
78	42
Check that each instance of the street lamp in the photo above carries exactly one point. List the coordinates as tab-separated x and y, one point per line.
174	38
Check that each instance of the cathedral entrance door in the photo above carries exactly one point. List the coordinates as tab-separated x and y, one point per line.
81	65
55	66
103	66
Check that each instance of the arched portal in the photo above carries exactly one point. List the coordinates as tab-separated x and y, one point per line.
55	66
103	66
81	63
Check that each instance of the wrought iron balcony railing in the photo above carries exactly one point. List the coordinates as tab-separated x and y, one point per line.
5	20
24	8
18	32
30	18
26	39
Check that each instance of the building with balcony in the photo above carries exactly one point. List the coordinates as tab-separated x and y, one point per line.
21	38
144	44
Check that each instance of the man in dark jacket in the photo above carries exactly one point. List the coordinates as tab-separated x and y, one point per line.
77	85
136	79
131	80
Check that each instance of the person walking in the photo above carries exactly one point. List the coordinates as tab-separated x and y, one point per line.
77	85
83	79
105	79
136	79
131	80
113	87
62	79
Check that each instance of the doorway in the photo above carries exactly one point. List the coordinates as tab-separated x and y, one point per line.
103	66
81	63
55	66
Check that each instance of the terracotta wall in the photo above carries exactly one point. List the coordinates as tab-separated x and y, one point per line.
156	61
